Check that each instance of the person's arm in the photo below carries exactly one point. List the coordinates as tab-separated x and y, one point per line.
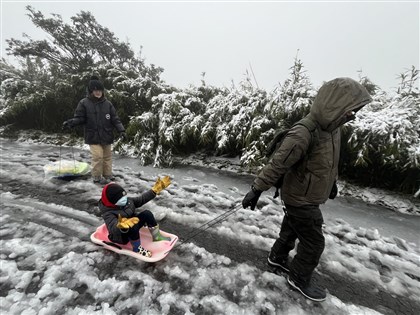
79	114
111	221
293	148
160	185
115	120
79	117
144	198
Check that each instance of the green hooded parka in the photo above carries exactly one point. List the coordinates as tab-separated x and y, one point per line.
310	183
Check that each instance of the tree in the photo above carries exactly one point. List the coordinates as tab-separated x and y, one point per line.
408	80
54	72
293	99
371	87
74	47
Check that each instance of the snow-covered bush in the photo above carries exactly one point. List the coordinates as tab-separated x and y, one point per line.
284	106
174	123
229	116
383	146
292	100
392	132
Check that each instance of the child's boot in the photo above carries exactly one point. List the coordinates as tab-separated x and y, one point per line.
143	251
140	249
156	234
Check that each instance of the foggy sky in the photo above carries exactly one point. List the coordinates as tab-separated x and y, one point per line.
225	39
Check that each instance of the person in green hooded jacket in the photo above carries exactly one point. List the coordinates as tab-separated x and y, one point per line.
309	179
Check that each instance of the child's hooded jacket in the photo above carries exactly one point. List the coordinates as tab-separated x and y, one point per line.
111	193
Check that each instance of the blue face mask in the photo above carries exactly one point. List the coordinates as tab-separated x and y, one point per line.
122	201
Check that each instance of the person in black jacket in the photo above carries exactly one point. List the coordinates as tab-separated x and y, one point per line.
99	118
122	220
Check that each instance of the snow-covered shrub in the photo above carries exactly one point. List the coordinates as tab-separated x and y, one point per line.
284	106
12	88
141	132
292	100
259	134
384	142
174	121
229	116
392	131
381	147
409	83
163	157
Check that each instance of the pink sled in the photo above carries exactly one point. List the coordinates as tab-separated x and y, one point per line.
159	249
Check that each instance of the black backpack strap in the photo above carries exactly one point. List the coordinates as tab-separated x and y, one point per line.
275	142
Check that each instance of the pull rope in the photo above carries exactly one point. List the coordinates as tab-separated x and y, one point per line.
74	160
72	152
59	160
209	224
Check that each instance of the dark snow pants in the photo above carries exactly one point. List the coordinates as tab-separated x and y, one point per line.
304	224
146	217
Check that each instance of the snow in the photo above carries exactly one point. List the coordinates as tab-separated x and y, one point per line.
376	196
48	264
395	123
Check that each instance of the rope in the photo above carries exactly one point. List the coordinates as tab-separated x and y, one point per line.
209	224
59	161
72	151
74	160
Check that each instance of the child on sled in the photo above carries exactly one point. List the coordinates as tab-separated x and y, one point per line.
121	219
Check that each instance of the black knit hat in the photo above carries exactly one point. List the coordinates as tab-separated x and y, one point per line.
114	192
95	84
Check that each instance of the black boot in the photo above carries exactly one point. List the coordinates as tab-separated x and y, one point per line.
308	289
278	262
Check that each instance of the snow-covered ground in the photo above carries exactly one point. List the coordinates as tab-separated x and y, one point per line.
48	264
373	196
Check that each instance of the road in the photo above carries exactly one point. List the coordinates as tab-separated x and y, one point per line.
354	212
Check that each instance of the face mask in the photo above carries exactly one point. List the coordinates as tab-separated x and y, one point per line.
122	201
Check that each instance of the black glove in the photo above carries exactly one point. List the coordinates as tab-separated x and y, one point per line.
251	198
67	124
334	191
123	136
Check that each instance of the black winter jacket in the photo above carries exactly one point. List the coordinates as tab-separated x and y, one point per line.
110	215
99	119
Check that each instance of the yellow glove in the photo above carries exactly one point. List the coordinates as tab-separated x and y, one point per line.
126	223
161	184
166	181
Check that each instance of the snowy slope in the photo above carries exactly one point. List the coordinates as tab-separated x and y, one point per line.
48	264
